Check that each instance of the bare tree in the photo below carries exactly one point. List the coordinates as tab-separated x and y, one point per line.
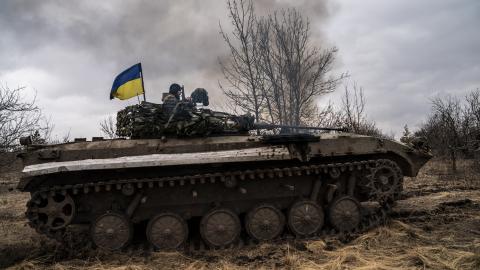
18	117
443	127
350	114
453	127
296	71
407	135
472	119
273	70
328	116
354	115
43	134
108	127
241	71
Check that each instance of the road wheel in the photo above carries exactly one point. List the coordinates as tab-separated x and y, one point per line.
305	218
167	231
112	231
265	222
220	228
345	214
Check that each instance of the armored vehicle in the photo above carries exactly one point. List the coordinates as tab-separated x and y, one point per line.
202	175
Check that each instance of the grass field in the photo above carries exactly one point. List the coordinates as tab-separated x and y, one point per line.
436	225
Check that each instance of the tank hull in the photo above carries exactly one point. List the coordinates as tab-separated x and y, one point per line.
215	180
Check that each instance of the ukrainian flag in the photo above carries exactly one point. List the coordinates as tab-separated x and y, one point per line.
128	84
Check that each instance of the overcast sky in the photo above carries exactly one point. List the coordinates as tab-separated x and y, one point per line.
402	52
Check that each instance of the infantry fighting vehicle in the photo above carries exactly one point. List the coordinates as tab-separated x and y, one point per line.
188	173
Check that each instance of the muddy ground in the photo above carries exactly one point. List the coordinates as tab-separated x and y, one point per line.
436	225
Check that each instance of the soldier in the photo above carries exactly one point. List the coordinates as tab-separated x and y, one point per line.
176	109
173	95
171	100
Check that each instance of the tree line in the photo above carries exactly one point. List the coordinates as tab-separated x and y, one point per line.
452	129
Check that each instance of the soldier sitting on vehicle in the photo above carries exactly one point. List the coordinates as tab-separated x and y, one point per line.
172	103
175	108
173	96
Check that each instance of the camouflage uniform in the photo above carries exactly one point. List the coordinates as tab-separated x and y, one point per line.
179	118
170	101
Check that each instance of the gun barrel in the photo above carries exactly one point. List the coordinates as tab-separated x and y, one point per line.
272	126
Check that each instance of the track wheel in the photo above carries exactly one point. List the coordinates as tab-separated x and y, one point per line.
345	214
112	231
220	228
51	212
167	231
305	218
265	222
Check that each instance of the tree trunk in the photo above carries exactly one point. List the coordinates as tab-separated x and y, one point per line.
453	157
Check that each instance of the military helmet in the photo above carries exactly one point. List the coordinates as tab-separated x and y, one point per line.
200	95
174	89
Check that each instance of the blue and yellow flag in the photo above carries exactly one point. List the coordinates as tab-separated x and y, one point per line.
128	84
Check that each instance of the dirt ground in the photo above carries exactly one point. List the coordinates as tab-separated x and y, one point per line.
436	225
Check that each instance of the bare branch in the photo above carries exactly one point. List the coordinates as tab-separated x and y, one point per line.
273	71
19	117
108	127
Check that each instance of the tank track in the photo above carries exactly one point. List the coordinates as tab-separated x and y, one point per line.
369	219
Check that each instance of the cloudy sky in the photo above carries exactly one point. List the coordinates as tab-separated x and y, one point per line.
402	52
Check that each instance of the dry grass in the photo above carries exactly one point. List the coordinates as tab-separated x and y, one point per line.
440	172
402	246
439	231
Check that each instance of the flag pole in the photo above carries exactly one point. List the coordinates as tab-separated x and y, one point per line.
143	86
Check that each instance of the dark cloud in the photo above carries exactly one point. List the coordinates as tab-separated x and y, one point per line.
165	36
69	51
404	53
315	10
170	37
